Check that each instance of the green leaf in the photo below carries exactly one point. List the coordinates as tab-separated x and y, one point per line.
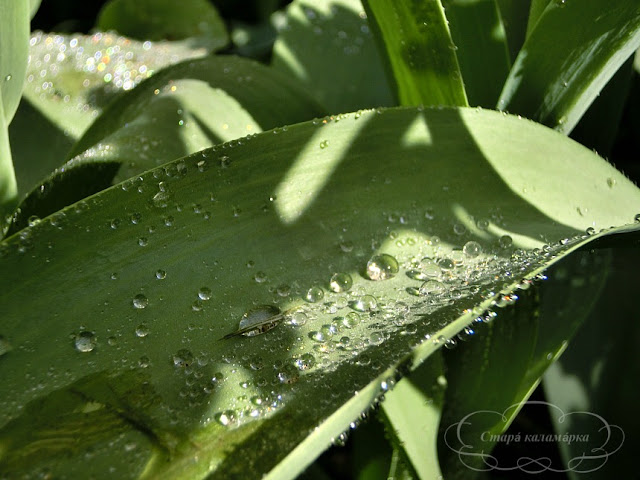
195	20
514	15
481	48
181	110
34	5
535	12
129	298
413	411
14	34
418	51
574	49
316	30
84	73
598	361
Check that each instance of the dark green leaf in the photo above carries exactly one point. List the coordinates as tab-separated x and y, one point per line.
481	48
573	50
514	15
415	43
197	21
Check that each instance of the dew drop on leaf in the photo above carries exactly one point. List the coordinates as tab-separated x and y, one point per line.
505	241
341	282
182	358
382	267
472	249
314	294
140	301
85	341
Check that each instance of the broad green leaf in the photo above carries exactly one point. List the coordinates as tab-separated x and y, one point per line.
573	50
181	110
597	375
337	32
481	48
195	20
413	410
416	45
70	79
514	15
129	298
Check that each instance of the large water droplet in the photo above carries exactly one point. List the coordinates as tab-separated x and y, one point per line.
226	418
505	241
258	320
341	282
432	287
314	294
382	267
472	249
140	301
85	341
182	358
204	293
305	361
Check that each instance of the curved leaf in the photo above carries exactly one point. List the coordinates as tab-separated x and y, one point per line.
196	20
129	297
317	30
418	51
568	57
181	110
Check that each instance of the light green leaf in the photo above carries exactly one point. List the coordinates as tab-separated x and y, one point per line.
14	37
8	185
481	48
535	12
413	410
129	297
598	374
417	49
574	49
181	110
195	20
317	30
35	4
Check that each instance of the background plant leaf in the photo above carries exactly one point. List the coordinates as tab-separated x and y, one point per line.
129	298
514	15
417	49
334	31
195	21
597	374
181	110
568	57
481	48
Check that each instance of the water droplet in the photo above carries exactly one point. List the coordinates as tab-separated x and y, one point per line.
204	293
482	224
283	290
161	274
140	301
611	182
366	303
226	417
382	267
314	294
637	217
225	161
143	241
591	231
85	341
260	277
115	223
142	330
298	319
341	282
472	249
376	338
183	358
346	246
7	78
432	287
446	264
351	320
288	374
324	144
505	241
33	220
317	336
305	361
144	362
459	229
